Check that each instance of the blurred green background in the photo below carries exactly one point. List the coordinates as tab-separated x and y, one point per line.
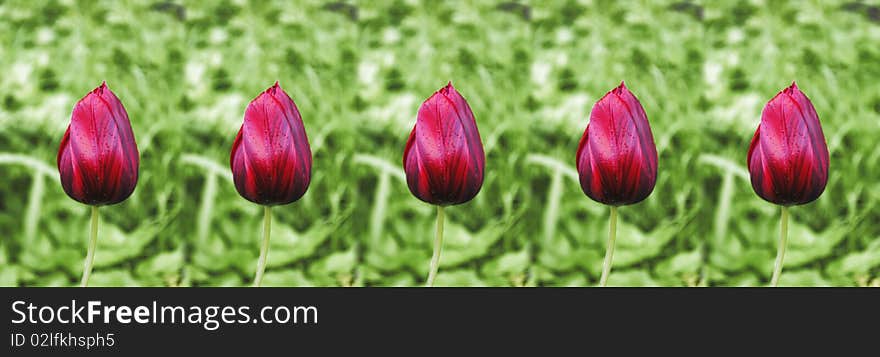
358	71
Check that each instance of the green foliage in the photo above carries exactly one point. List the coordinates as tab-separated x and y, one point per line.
358	72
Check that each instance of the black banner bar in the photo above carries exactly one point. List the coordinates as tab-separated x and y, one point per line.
333	320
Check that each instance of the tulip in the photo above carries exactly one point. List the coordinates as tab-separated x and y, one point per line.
98	158
270	159
444	158
616	158
788	158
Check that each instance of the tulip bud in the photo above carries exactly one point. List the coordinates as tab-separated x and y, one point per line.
444	156
616	157
271	160
98	158
788	157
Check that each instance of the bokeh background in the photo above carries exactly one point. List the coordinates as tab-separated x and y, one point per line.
359	70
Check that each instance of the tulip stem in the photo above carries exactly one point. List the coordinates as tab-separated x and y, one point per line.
609	251
90	256
780	252
438	244
264	247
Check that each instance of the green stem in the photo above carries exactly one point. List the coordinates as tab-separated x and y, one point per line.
780	252
90	256
609	251
264	247
438	244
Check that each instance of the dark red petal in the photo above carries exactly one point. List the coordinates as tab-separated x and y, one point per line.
590	179
242	175
409	144
643	129
71	180
752	145
581	145
815	136
120	117
417	176
761	181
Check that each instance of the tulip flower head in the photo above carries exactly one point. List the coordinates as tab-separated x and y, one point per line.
444	159
616	157
98	158
271	159
788	156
